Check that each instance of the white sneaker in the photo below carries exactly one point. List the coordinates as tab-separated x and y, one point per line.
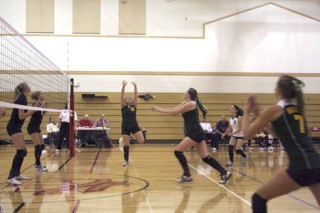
58	150
245	160
21	177
224	178
184	179
229	163
270	148
125	163
13	181
41	168
214	149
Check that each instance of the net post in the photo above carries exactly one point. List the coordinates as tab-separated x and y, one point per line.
72	129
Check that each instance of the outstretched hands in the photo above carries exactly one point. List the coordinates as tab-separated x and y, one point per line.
124	83
155	108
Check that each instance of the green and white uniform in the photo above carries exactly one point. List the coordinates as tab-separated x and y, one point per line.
291	129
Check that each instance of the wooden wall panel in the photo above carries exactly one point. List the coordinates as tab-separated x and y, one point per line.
132	17
40	16
86	16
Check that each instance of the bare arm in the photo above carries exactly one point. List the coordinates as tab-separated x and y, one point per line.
23	115
179	105
181	108
135	98
122	101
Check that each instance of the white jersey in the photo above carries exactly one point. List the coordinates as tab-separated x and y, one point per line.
206	127
234	123
65	116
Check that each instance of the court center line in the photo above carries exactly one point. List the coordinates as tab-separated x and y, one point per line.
144	191
221	185
95	160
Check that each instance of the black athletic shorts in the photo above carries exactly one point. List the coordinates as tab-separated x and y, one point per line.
128	130
305	177
197	137
13	129
32	129
237	137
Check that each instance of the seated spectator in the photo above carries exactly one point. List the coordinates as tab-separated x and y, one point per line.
262	139
206	126
101	122
2	112
52	130
84	135
221	127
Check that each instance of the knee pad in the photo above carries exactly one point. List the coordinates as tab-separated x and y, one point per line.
238	151
230	148
206	159
177	153
258	203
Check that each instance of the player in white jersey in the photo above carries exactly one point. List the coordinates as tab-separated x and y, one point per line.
236	138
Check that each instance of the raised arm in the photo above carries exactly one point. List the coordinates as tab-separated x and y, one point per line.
122	101
135	98
181	108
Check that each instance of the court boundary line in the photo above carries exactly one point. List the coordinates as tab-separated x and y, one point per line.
289	195
222	186
144	190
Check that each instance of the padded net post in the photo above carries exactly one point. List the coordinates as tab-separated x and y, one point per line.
72	130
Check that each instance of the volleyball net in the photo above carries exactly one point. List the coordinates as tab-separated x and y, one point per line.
20	62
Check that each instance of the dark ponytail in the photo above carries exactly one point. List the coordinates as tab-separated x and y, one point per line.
202	107
290	88
194	96
239	111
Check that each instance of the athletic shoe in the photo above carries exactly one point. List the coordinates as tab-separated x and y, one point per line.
270	148
229	163
13	181
21	177
125	163
41	168
224	178
214	149
58	150
184	179
245	160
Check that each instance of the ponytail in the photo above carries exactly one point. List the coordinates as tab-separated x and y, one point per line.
19	90
239	111
202	107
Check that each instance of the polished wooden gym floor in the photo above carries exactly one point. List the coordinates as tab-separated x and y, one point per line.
95	181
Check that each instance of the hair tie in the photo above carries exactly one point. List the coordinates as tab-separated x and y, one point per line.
298	83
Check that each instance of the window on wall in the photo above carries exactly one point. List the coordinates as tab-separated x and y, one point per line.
40	16
132	17
86	16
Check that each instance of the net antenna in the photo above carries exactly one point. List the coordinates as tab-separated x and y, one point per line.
20	61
